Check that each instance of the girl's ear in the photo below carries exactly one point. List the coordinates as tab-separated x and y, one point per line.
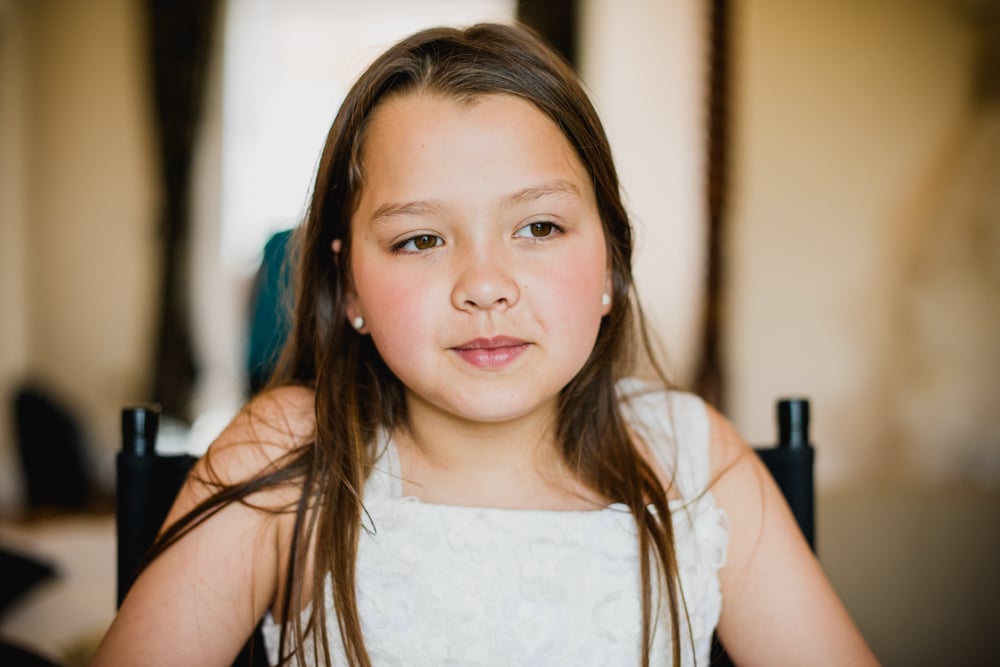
351	308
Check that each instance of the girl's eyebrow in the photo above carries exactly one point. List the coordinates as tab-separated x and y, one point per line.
417	208
558	186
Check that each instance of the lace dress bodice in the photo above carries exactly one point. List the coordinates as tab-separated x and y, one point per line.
449	585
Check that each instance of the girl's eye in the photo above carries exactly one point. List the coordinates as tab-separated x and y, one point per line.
538	230
420	242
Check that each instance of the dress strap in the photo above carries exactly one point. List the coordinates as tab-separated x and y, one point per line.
675	426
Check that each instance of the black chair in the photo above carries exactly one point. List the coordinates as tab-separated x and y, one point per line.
146	485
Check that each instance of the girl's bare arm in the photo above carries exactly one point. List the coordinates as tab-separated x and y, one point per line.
778	608
199	601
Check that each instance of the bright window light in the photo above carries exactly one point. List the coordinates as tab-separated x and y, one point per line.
287	66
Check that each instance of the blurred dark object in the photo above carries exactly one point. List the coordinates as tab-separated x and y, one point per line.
51	445
182	35
270	316
710	381
19	573
555	21
12	655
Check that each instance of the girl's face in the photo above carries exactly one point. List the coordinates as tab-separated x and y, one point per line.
478	255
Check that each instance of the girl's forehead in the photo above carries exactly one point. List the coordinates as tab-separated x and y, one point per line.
425	114
426	144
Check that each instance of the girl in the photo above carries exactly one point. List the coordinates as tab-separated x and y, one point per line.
452	466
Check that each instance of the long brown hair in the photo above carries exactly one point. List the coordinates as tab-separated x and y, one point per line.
357	397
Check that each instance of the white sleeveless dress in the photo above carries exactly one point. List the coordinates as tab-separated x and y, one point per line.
447	585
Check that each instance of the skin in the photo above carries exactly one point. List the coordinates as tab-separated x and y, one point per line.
442	255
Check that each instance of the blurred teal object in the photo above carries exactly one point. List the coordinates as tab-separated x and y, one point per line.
270	310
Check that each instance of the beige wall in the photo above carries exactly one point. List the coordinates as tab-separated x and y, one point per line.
87	220
645	71
842	112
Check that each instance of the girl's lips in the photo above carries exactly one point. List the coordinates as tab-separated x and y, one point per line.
491	352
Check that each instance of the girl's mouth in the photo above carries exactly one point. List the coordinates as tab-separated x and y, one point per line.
494	352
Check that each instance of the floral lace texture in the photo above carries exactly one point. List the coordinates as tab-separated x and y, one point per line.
449	585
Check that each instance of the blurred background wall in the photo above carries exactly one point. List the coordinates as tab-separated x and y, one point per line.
863	260
856	124
861	256
78	196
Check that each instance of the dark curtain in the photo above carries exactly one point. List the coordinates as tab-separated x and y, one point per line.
181	33
554	20
709	380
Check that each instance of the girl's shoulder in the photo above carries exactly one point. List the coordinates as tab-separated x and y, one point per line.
689	441
672	430
267	430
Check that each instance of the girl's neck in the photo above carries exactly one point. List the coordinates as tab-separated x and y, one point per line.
512	464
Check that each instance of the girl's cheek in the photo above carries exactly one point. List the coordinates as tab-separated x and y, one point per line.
398	297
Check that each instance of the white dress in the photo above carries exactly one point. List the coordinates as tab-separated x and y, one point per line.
465	586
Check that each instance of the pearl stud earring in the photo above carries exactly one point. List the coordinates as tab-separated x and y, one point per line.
605	299
358	322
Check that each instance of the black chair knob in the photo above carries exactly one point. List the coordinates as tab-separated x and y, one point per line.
140	425
793	422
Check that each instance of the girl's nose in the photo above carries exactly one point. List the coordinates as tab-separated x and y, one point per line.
485	283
